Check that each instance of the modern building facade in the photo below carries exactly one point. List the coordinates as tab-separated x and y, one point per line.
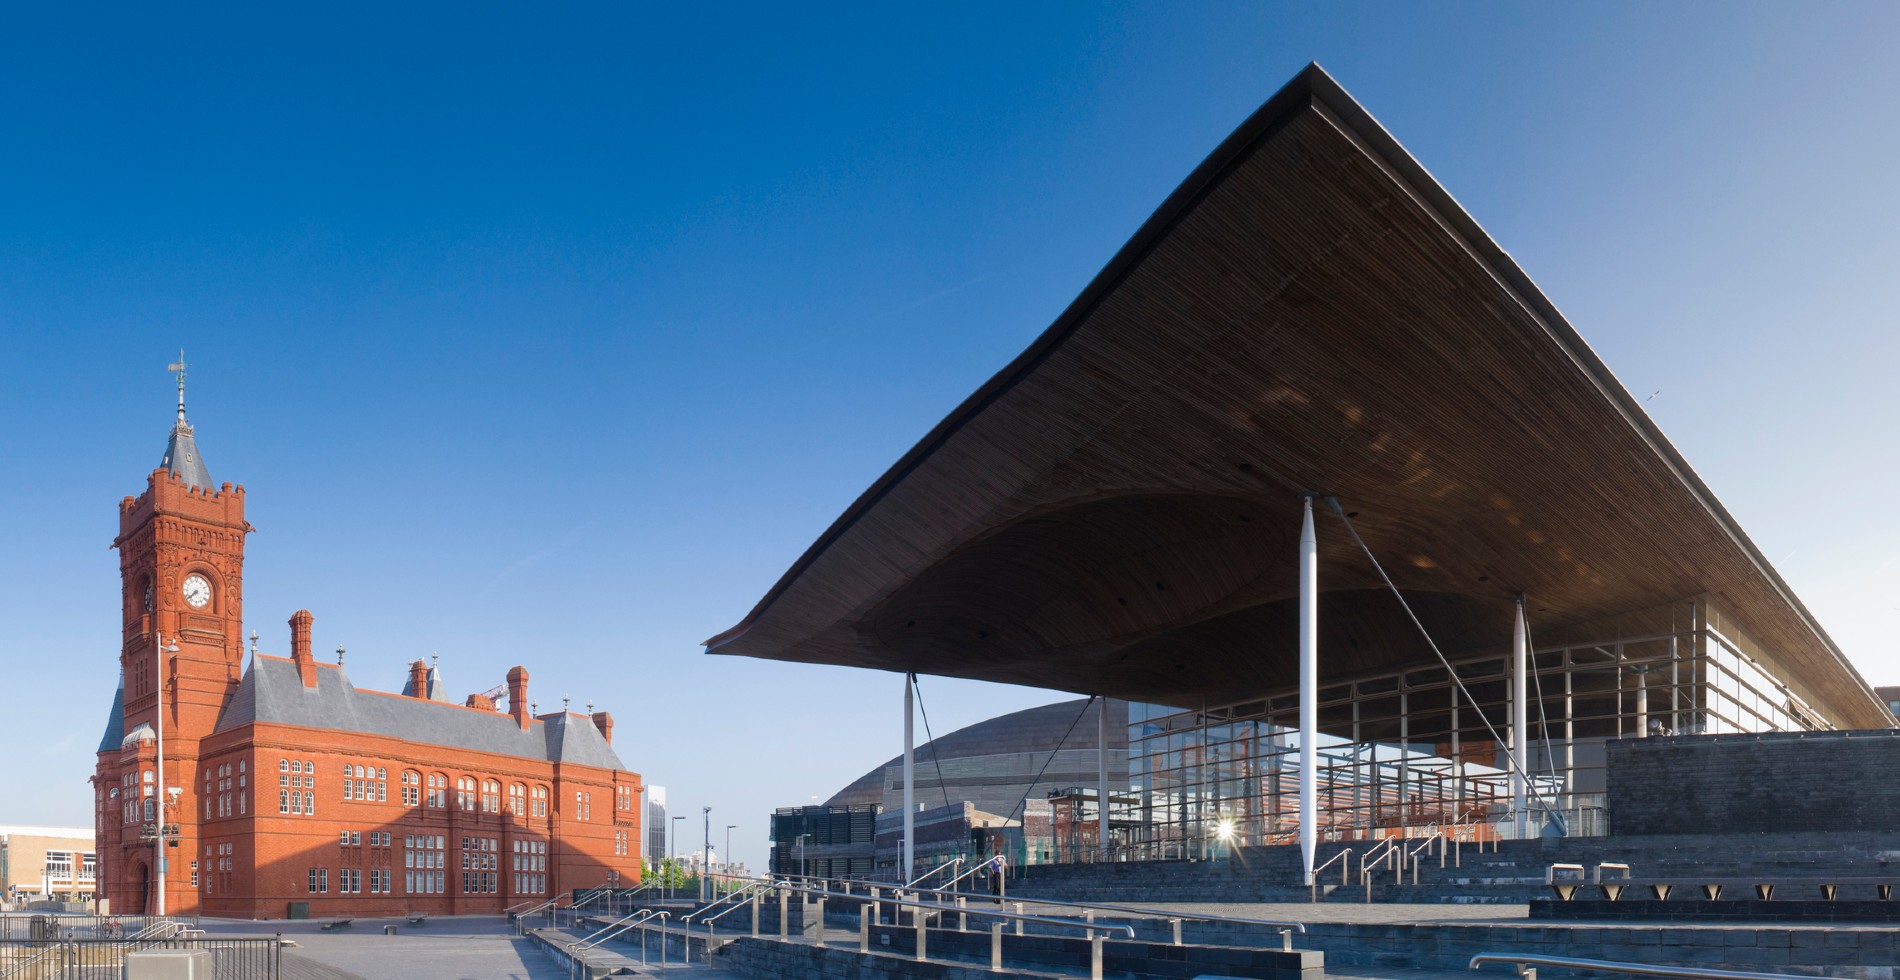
47	864
1315	477
279	787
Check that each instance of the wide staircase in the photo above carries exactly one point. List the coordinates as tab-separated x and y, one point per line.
1504	872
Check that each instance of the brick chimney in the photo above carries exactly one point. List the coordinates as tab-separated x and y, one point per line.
419	679
300	647
605	722
518	696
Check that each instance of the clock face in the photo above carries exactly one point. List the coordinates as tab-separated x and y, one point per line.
197	591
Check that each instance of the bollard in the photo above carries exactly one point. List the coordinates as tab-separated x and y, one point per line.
1095	957
818	928
864	928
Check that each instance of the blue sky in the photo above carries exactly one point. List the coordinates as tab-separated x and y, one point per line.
553	336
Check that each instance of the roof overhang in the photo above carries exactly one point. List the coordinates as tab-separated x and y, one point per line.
1117	511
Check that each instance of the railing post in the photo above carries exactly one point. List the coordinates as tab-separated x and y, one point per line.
784	913
865	912
1019	922
921	932
1095	956
755	914
963	918
996	947
1175	923
819	927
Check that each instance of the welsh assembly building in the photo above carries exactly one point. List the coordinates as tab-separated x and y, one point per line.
1315	476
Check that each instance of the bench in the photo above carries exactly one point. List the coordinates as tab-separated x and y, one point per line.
336	924
418	918
1567	879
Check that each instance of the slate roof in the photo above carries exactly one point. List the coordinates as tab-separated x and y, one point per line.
272	692
115	722
182	459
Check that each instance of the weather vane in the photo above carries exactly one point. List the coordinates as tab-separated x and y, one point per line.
178	367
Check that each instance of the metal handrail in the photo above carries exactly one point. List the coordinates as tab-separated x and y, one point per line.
618	926
1389	851
1089	927
742	894
1411	854
1287	924
1344	869
953	862
951	884
1526	963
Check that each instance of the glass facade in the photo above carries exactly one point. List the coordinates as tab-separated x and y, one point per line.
1411	753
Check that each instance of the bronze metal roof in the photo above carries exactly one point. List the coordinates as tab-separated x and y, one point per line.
1116	511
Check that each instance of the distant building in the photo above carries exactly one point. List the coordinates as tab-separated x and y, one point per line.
981	790
655	825
38	863
280	787
1891	697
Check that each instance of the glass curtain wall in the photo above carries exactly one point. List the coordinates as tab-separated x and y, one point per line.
1409	753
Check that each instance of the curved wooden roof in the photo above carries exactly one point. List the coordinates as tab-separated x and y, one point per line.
1117	511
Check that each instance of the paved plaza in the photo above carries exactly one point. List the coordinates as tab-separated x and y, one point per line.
476	947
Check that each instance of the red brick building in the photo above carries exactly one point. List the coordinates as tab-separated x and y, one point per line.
285	783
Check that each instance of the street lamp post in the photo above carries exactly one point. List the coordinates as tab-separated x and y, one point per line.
158	791
728	861
672	844
705	853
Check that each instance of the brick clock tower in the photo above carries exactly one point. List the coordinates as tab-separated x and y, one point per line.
181	562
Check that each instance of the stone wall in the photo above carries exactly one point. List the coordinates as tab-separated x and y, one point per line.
1783	782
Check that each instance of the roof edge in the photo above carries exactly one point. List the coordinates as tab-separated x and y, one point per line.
1264	121
1311	85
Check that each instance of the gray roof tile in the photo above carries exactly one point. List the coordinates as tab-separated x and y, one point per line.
272	692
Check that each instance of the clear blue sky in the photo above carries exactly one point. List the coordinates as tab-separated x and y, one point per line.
553	335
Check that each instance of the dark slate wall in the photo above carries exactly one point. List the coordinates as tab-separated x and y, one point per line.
1772	783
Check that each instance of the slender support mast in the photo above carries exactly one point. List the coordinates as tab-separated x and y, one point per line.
1309	689
1520	716
1101	766
910	781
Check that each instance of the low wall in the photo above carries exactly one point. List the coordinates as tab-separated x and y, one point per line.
1781	782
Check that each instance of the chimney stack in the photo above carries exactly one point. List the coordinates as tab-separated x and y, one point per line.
605	722
419	679
300	647
518	696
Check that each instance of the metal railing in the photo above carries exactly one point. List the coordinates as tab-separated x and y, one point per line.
953	862
1344	857
233	959
1527	964
1388	851
1410	854
1174	918
1090	929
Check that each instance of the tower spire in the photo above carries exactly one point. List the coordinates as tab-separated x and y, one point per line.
181	451
178	367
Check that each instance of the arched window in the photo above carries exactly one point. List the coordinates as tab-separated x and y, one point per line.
518	799
465	793
438	790
491	796
411	788
540	801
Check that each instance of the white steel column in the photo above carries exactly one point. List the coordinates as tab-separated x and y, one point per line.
1101	766
1520	715
1309	689
910	782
